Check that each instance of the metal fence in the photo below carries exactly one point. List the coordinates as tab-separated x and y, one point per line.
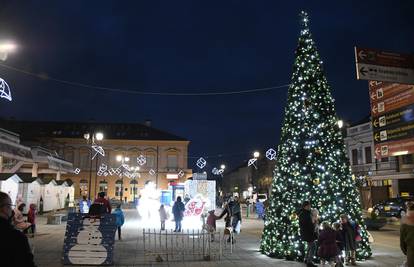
190	245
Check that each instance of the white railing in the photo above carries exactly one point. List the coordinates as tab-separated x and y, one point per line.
190	245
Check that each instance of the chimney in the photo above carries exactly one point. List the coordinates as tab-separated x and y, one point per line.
147	123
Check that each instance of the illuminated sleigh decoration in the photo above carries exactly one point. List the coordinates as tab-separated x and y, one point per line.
195	206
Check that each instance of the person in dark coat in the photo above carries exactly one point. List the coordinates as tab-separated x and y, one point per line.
328	249
103	201
339	243
236	212
14	247
178	211
307	232
350	235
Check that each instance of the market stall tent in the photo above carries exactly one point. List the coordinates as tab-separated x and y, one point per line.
9	183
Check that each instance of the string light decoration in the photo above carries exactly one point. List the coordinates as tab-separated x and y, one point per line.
311	160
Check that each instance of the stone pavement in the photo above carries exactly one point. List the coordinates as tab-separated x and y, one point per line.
48	245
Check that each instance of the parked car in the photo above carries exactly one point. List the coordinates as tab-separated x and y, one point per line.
393	207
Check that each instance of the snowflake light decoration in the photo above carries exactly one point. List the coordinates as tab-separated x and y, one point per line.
98	150
111	171
201	163
141	160
271	154
214	171
5	90
181	173
152	172
252	162
77	171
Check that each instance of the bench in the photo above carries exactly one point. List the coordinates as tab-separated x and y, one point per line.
55	218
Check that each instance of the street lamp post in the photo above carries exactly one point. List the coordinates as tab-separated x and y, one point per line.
90	139
123	161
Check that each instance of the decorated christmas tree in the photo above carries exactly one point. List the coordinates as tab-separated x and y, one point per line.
311	162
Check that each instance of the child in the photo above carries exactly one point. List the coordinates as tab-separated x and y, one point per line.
163	216
119	214
315	220
339	243
211	223
328	249
31	218
350	235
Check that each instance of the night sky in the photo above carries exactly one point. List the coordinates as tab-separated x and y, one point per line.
189	47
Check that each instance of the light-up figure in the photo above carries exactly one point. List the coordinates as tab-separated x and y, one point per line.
149	203
89	248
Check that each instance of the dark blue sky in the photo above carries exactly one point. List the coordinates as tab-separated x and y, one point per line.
189	46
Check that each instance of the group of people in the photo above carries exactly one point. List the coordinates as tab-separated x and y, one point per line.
328	240
16	251
102	205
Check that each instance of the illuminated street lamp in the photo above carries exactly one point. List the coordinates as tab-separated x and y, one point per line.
256	154
90	139
340	123
123	160
6	48
222	166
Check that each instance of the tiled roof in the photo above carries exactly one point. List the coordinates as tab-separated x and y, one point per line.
29	130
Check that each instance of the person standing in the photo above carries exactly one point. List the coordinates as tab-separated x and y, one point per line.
178	211
84	205
350	236
104	202
31	218
120	219
163	216
18	219
14	247
307	232
328	250
407	234
236	215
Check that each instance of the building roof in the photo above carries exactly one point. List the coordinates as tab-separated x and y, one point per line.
362	121
30	130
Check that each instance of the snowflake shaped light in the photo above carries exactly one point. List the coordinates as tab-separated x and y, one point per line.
252	162
77	171
141	160
271	154
214	171
201	163
98	150
5	90
152	172
181	173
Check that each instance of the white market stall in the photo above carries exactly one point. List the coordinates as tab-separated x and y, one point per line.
65	194
50	195
30	191
9	183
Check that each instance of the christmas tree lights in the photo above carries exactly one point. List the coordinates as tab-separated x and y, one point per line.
311	160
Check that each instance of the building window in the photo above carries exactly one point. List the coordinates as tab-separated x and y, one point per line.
103	187
84	160
407	159
83	187
354	156
368	155
150	161
118	188
134	187
172	161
